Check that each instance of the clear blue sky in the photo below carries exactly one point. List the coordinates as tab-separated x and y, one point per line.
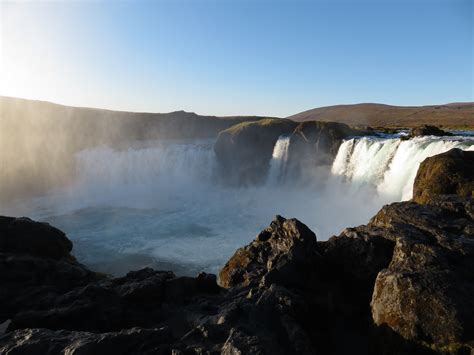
237	57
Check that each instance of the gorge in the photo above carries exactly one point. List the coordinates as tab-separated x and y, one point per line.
401	284
168	204
190	204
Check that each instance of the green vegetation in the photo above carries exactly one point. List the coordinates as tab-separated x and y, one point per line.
263	123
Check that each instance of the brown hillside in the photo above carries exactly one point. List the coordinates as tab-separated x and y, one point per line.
378	115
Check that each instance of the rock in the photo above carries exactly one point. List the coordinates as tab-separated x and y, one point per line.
48	342
352	262
425	294
141	298
238	344
22	235
314	144
244	151
42	285
279	254
402	284
447	173
35	266
28	283
427	130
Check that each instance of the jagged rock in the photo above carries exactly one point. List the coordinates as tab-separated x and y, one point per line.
141	298
35	266
427	130
37	290
279	254
447	173
244	151
426	293
48	342
402	284
28	282
22	235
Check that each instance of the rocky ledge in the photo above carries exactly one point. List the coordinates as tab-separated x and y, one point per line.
402	284
244	151
427	130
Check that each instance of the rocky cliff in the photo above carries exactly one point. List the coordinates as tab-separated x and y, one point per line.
402	284
244	151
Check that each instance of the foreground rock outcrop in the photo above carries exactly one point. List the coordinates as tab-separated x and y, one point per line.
402	284
448	173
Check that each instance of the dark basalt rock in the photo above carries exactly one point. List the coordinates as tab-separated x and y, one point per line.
49	342
427	130
448	173
278	254
22	235
426	292
244	150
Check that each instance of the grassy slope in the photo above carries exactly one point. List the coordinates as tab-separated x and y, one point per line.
455	115
262	122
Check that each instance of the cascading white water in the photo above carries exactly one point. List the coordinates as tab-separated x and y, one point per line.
390	165
152	164
157	204
278	161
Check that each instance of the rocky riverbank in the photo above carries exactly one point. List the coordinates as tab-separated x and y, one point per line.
402	284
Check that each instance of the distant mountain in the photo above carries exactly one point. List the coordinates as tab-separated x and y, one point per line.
380	115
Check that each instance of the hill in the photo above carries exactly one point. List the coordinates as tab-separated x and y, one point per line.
459	115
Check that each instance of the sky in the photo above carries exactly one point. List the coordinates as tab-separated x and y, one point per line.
229	57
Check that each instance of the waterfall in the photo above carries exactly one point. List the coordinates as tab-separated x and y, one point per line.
279	159
164	168
390	165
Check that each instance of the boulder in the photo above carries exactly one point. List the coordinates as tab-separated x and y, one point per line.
447	173
425	294
427	130
244	151
280	253
22	235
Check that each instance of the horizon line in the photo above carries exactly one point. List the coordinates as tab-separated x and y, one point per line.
229	116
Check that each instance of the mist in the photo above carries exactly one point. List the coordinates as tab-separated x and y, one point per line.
162	203
137	190
39	140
